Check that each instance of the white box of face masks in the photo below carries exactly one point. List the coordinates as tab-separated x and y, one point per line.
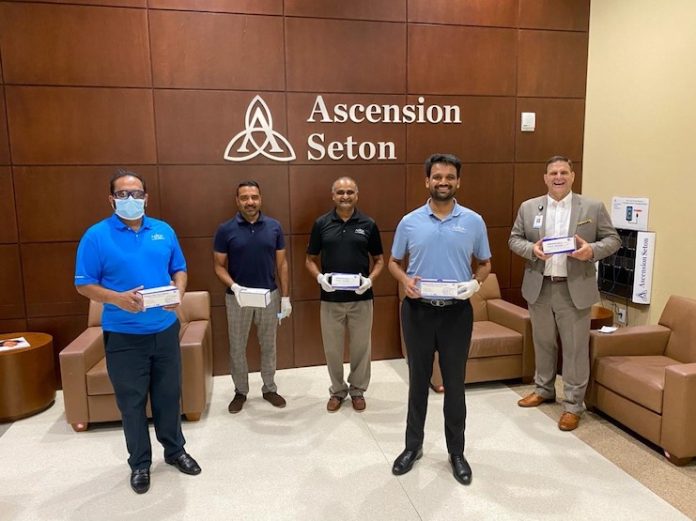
345	281
438	288
554	245
160	296
255	297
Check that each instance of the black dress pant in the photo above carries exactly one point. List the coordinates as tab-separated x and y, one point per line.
139	365
446	330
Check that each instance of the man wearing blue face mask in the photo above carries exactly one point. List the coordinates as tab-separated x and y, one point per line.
116	258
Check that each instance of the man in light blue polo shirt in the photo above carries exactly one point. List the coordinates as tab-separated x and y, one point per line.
440	239
117	257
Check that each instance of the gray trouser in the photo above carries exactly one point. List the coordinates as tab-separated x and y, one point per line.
238	325
356	318
554	314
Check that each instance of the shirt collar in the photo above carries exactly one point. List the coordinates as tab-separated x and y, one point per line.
120	225
242	220
336	217
563	202
456	210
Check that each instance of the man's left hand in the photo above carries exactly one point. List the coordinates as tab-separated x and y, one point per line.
584	250
172	307
365	284
285	308
466	289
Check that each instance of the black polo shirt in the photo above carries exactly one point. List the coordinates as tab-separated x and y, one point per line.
345	247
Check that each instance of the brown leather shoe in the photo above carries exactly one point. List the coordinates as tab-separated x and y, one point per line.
236	405
275	399
359	403
568	421
334	403
534	400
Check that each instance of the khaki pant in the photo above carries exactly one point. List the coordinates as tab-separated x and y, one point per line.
356	319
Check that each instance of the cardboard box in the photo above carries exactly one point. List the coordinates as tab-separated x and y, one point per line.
345	281
255	297
554	245
160	296
438	288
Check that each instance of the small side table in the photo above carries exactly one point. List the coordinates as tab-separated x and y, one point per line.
27	379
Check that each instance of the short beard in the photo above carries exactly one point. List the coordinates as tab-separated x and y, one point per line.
434	194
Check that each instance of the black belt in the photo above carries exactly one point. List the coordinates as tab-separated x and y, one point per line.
555	279
438	303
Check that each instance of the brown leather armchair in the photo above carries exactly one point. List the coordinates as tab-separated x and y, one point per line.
645	377
87	391
501	341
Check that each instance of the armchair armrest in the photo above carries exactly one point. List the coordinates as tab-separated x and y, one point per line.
679	411
75	360
516	318
196	368
629	341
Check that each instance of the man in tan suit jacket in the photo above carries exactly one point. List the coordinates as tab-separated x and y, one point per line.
561	288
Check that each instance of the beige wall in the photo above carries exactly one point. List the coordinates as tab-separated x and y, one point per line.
640	129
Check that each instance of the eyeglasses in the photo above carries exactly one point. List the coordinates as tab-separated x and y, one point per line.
125	194
345	192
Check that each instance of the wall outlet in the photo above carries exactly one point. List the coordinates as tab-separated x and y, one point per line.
621	314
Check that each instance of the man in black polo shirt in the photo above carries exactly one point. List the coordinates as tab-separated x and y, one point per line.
346	239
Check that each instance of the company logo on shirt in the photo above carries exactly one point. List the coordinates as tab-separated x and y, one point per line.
360	231
459	229
157	237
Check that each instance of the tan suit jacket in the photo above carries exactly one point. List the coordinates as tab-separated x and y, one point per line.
590	220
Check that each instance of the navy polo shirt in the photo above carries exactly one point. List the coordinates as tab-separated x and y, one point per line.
114	256
251	250
345	247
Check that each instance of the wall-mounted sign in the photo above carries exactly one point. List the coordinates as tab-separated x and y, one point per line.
259	138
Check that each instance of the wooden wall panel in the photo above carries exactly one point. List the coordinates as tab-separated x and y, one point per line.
195	126
552	64
498	241
217	51
102	3
49	273
345	56
11	290
529	182
77	196
197	199
199	263
222	6
307	334
474	60
8	230
13	325
501	13
310	192
487	135
385	329
559	126
74	45
380	10
571	15
301	107
4	141
63	126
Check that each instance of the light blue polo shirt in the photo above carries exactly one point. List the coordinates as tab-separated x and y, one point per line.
112	255
441	249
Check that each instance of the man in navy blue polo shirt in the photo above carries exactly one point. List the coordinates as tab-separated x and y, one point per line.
117	257
346	238
440	239
248	250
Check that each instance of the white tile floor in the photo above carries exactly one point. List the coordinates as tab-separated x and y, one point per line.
303	463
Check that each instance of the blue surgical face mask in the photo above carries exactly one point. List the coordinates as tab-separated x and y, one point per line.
130	209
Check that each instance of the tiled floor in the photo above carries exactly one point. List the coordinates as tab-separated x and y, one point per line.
303	463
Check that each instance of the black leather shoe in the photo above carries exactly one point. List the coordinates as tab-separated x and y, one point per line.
185	463
460	468
404	461
140	480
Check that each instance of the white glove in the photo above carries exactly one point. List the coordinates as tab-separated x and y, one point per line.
365	284
466	289
236	290
285	308
323	281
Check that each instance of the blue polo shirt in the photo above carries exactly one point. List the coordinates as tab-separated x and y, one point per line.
112	255
441	249
251	250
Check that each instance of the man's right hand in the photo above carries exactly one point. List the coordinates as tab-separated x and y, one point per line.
323	281
130	300
539	252
237	290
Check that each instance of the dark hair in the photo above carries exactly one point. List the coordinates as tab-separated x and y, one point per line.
122	172
449	159
553	159
248	183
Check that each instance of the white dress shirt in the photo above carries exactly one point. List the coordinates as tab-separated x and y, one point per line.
557	225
